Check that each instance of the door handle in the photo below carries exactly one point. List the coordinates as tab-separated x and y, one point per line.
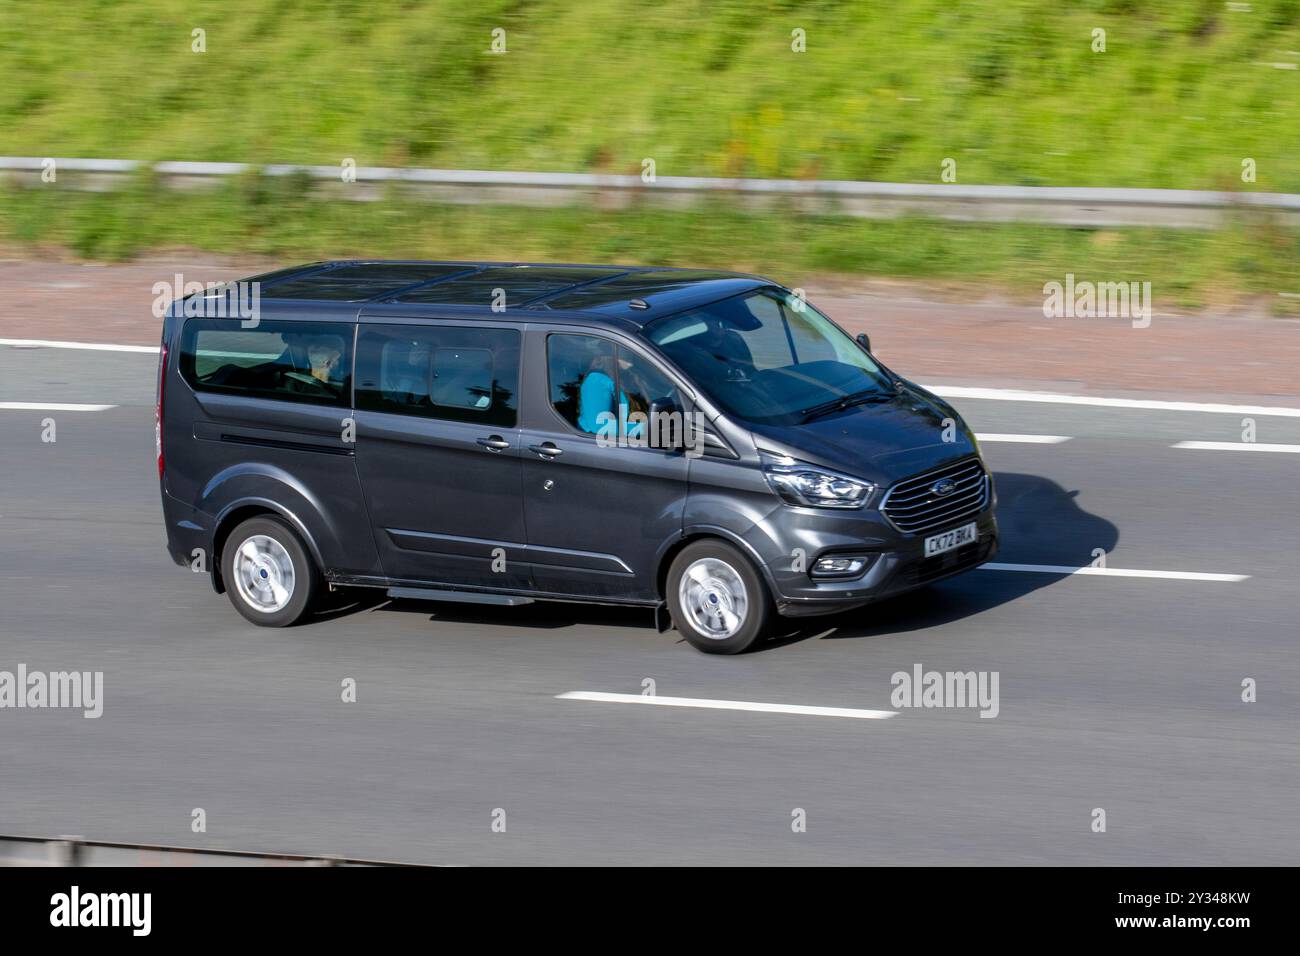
494	443
546	450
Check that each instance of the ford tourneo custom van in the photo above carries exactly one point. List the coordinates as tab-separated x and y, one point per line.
704	444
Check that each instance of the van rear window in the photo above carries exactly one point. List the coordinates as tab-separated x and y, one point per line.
292	361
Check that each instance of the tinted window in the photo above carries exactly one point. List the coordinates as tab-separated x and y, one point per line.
768	358
292	361
586	372
575	361
642	383
449	372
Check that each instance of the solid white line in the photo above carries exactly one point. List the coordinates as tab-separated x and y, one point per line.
53	407
800	709
92	346
1017	395
1116	572
1237	446
947	391
1026	439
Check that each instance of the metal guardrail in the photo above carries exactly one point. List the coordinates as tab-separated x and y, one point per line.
24	851
1060	205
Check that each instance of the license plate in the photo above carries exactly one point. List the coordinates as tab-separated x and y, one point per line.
950	540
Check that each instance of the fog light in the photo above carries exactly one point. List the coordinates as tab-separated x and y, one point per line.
838	567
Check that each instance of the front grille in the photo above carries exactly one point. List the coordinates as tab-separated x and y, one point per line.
913	507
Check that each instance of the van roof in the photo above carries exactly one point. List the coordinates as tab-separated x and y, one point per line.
634	294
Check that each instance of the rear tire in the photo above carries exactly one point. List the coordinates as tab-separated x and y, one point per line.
717	598
268	574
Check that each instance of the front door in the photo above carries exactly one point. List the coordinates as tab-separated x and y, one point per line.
599	505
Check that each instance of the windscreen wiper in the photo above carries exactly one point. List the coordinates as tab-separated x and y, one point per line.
846	401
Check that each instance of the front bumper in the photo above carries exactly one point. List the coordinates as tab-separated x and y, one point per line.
897	564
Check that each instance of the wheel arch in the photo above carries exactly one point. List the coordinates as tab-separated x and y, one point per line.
240	511
705	533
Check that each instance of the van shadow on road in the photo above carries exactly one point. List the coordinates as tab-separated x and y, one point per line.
1039	523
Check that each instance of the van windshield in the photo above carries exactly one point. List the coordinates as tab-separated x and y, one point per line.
770	358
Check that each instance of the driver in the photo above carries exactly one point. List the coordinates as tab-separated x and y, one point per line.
715	345
724	344
323	359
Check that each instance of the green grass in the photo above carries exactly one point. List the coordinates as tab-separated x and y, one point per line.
1010	89
281	218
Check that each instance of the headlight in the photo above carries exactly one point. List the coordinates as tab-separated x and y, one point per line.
799	483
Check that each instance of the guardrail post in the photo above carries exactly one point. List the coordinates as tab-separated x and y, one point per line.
65	851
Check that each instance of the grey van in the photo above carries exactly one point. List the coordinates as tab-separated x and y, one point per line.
705	444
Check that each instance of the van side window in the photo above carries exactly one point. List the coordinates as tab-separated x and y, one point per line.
581	373
436	371
642	382
586	372
292	361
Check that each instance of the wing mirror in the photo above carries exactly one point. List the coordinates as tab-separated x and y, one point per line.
864	341
667	424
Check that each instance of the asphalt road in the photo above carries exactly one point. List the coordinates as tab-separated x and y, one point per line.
1116	693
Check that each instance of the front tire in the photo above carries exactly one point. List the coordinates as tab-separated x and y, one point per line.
270	578
717	598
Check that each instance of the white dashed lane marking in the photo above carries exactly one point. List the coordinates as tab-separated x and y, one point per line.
1237	446
801	710
1115	572
52	407
1055	398
1024	439
90	346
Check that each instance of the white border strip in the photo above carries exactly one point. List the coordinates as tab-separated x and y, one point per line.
1237	446
1017	395
947	391
52	407
1022	439
800	709
1115	572
92	346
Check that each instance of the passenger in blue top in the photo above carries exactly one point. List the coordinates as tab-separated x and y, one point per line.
596	398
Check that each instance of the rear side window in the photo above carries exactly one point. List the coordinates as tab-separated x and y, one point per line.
448	372
292	361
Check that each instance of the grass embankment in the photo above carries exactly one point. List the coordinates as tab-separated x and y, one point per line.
281	218
1012	90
